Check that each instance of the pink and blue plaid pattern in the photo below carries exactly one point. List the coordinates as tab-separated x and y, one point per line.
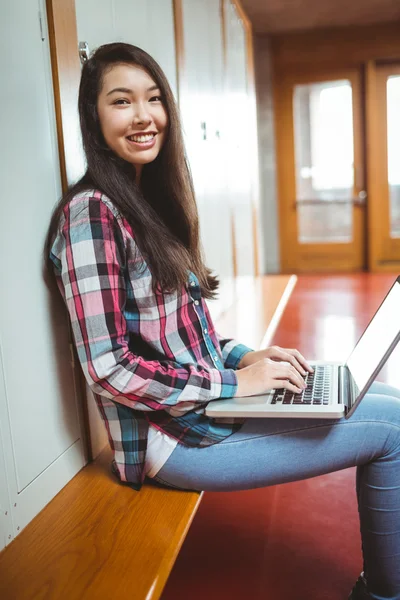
148	357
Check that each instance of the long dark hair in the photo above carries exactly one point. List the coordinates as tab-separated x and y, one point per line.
162	212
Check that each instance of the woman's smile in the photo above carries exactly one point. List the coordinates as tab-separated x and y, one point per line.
143	141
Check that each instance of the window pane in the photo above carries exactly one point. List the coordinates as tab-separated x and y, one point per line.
393	123
324	156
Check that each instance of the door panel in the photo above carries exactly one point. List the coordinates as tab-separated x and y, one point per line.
320	166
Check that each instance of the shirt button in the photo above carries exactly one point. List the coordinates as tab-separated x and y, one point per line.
215	357
193	283
206	331
196	302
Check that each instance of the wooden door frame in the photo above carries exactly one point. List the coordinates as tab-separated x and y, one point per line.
383	248
66	71
286	176
179	46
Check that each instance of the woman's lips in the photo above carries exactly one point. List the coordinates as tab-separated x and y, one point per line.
142	145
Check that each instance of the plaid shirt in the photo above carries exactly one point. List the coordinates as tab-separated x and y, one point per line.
148	357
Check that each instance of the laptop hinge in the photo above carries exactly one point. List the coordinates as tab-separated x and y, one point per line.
345	388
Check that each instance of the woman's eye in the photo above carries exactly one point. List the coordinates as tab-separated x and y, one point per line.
121	101
156	99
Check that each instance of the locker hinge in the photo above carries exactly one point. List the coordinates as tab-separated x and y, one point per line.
41	26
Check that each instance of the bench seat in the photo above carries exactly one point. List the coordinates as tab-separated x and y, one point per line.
98	539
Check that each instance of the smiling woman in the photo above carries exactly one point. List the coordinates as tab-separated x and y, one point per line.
124	247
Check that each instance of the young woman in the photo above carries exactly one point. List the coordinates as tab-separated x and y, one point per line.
124	247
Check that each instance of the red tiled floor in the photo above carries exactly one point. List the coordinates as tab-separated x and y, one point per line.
298	541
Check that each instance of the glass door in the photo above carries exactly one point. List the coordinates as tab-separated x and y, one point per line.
321	172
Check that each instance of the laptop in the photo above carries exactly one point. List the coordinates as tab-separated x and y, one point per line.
333	390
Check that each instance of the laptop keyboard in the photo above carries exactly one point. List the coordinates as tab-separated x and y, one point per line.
317	390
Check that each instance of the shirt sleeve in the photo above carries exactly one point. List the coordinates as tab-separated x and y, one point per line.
232	351
89	254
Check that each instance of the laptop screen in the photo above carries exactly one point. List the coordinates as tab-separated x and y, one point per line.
376	340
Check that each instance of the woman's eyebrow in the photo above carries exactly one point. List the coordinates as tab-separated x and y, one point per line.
128	91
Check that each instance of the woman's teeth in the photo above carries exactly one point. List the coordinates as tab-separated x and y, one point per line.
141	138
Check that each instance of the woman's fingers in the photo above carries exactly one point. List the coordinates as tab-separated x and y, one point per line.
289	373
293	360
300	358
289	386
290	357
294	357
268	374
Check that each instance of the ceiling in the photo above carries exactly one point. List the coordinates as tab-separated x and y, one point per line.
274	16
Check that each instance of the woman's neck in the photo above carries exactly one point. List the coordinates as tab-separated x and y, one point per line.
138	169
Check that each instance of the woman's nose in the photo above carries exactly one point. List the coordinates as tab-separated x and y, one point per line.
141	115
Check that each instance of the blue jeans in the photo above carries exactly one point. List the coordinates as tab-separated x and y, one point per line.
259	455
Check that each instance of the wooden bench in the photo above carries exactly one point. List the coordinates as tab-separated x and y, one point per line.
100	540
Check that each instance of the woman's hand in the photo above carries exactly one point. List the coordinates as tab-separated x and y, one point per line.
289	355
267	374
273	368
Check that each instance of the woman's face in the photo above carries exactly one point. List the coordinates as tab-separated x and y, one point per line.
132	115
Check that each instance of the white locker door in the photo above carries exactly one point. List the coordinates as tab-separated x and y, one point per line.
195	100
39	414
239	128
217	197
193	94
149	25
202	105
